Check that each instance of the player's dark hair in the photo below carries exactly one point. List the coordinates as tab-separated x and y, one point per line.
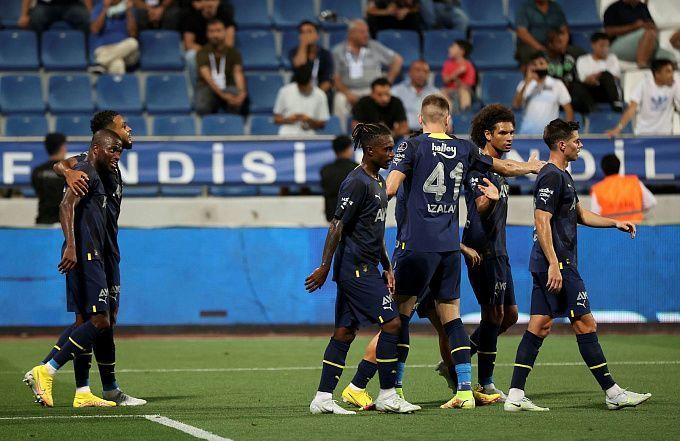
302	75
610	164
558	130
365	133
53	142
213	21
341	143
466	46
305	23
105	136
536	55
382	81
102	120
486	119
660	63
597	36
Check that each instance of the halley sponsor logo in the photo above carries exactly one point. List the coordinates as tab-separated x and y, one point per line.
446	151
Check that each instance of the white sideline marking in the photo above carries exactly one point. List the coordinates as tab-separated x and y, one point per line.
159	419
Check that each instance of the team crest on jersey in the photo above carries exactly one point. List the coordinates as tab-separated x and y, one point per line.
444	150
399	155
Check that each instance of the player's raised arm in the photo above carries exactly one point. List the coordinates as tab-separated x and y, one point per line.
590	219
316	280
75	179
66	218
509	167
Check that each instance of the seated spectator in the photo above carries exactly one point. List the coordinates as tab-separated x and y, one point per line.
541	97
652	102
443	14
381	106
562	65
157	14
358	61
309	53
392	14
47	185
115	30
412	92
459	76
221	83
620	197
301	107
633	32
533	20
334	173
45	12
599	71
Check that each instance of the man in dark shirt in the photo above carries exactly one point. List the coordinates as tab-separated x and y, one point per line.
562	65
46	12
381	107
309	53
533	20
334	173
47	185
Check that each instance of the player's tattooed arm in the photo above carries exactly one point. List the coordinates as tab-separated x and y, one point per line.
590	219
394	180
388	274
509	167
318	277
486	203
75	179
66	218
544	233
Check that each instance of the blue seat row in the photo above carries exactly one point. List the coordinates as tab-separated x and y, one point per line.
287	14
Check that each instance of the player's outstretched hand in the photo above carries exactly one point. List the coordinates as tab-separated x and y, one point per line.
316	280
627	227
77	181
472	257
554	279
535	163
388	277
68	260
489	190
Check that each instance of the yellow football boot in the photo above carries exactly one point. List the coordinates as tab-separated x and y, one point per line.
462	400
88	399
40	382
482	399
359	399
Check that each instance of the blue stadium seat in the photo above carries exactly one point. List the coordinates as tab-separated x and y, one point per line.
167	93
263	125
10	10
160	50
332	127
252	14
493	50
120	92
290	40
336	37
581	39
438	81
345	10
262	89
232	190
581	13
258	50
223	125
405	43
513	7
63	50
288	14
178	125
461	122
70	94
26	125
18	50
21	94
600	122
61	25
436	46
73	125
578	117
138	125
489	15
499	87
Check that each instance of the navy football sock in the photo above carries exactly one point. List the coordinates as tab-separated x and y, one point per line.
333	364
453	374
486	355
592	354
60	343
474	342
459	342
402	348
81	340
527	351
386	356
365	371
105	353
81	369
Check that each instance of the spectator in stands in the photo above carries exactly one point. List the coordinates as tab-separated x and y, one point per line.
443	14
114	29
533	20
412	92
157	14
654	100
381	106
562	65
309	53
633	32
459	76
358	61
301	107
221	83
47	185
392	14
45	12
675	40
334	173
541	97
599	71
620	197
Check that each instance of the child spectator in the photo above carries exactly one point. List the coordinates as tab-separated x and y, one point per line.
459	76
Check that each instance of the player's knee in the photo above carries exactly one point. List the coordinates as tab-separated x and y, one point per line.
510	317
392	327
100	321
345	335
79	320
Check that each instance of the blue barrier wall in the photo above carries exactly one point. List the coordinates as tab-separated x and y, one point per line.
256	274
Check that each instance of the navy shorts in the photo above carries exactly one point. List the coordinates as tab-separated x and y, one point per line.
112	268
492	283
363	301
572	301
415	272
87	289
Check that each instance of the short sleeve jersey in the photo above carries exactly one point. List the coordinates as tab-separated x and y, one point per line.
362	208
90	216
486	235
555	193
435	166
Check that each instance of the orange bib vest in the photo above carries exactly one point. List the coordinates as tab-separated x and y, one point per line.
619	197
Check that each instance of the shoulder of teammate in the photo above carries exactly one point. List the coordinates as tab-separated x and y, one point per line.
92	175
477	160
405	153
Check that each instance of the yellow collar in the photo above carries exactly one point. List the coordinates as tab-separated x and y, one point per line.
439	136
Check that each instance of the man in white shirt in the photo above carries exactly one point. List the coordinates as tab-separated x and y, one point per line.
413	91
301	107
541	97
600	72
654	100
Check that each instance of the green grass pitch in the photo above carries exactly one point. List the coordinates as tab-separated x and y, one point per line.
260	388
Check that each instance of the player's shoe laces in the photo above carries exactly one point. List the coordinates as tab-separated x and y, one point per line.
443	372
88	399
626	399
524	405
122	399
484	398
395	404
462	400
358	398
318	406
40	382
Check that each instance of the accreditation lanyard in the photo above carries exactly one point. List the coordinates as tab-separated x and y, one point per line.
218	74
356	66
